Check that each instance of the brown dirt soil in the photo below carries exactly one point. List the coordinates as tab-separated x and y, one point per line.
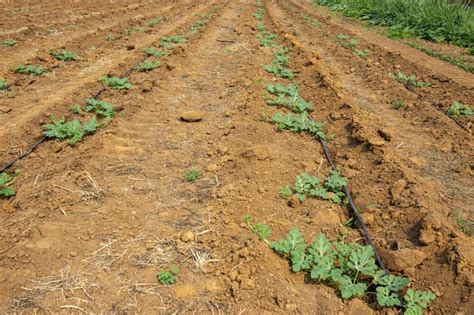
92	224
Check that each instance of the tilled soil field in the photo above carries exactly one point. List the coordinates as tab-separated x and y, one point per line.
188	169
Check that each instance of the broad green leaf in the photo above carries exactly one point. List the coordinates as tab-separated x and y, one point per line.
386	298
393	283
362	260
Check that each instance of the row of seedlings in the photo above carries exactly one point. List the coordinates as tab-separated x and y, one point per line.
348	266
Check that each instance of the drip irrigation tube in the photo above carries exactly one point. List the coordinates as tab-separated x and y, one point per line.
354	211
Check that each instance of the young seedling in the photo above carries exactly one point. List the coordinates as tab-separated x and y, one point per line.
168	41
351	268
463	226
361	53
155	21
298	123
289	97
109	37
154	53
197	26
73	131
398	104
116	83
101	108
168	277
310	20
29	69
63	55
3	85
5	180
409	80
279	65
8	43
76	109
193	174
147	66
309	185
130	31
285	192
458	109
262	230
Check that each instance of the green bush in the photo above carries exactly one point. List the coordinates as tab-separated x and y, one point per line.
434	20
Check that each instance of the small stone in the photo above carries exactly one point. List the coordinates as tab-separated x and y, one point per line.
291	307
5	109
57	147
369	218
426	237
403	259
212	168
294	201
192	116
118	107
130	47
187	236
147	87
221	150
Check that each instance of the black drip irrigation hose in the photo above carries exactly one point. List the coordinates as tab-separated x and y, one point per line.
354	211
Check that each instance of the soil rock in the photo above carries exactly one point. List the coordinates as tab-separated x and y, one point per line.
357	307
192	116
403	259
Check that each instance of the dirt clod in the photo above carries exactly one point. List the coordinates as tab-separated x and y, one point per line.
192	116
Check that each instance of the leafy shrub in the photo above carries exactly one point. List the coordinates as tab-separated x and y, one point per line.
29	69
434	20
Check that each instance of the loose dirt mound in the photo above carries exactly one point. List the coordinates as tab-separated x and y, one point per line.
92	224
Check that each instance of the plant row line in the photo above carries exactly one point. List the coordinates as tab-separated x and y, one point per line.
348	266
88	118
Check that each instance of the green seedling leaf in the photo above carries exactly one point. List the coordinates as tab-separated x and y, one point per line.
386	298
147	66
101	108
29	69
63	55
8	43
193	174
116	83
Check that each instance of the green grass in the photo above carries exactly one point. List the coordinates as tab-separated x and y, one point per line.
398	104
29	69
116	83
463	226
5	180
63	55
192	175
458	62
409	80
458	110
8	43
434	20
148	65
